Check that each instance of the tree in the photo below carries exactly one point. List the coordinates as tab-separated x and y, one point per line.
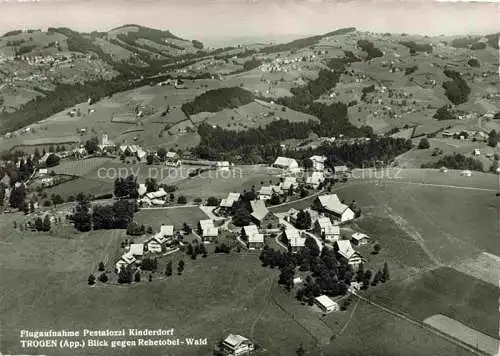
46	223
366	279
82	220
181	199
303	220
193	254
385	273
376	249
17	196
151	185
189	249
149	230
212	201
275	199
101	266
307	163
492	138
241	217
168	269
39	224
91	280
180	267
56	199
162	153
300	351
203	250
52	160
424	144
92	145
32	206
137	277
103	278
187	229
150	159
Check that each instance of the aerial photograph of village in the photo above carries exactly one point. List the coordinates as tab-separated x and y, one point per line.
233	177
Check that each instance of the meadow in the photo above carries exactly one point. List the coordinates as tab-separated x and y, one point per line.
177	217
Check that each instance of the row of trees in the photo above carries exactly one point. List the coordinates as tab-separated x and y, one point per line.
456	161
116	216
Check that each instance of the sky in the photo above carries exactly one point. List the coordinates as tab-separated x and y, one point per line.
215	19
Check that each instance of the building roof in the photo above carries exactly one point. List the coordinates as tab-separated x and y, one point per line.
324	222
166	230
160	193
171	155
285	162
250	230
332	203
136	249
315	178
259	209
294	238
205	224
256	238
269	190
229	201
289	182
234	340
210	232
222	164
318	159
142	189
326	302
128	258
345	248
341	169
359	236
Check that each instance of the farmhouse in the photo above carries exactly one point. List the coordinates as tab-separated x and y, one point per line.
261	216
160	193
294	238
318	163
340	172
126	260
208	229
267	192
359	239
237	345
466	173
326	229
288	184
43	171
326	304
286	163
172	159
315	179
256	241
222	165
332	206
228	202
345	251
136	250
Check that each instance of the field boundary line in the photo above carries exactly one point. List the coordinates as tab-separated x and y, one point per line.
424	326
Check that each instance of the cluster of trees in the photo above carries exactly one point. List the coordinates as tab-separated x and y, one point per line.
149	264
456	161
222	248
456	89
126	188
218	99
424	144
370	49
366	90
410	70
251	64
493	138
464	42
304	220
134	229
43	224
417	47
444	113
197	249
116	216
474	62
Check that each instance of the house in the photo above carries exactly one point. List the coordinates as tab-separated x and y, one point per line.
315	179
228	202
43	159
136	250
318	163
297	280
237	345
326	229
166	231
160	193
288	184
326	304
294	238
340	172
43	171
291	216
286	163
126	260
261	216
47	181
466	173
208	229
360	239
266	192
477	152
443	169
172	159
331	205
345	251
142	189
256	241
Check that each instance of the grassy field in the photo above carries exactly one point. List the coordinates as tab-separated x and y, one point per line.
176	217
80	167
443	291
376	333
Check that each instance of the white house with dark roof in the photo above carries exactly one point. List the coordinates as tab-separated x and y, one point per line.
360	239
286	163
344	249
236	345
332	206
318	163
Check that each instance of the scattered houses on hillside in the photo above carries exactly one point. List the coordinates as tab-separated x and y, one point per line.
262	217
331	206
